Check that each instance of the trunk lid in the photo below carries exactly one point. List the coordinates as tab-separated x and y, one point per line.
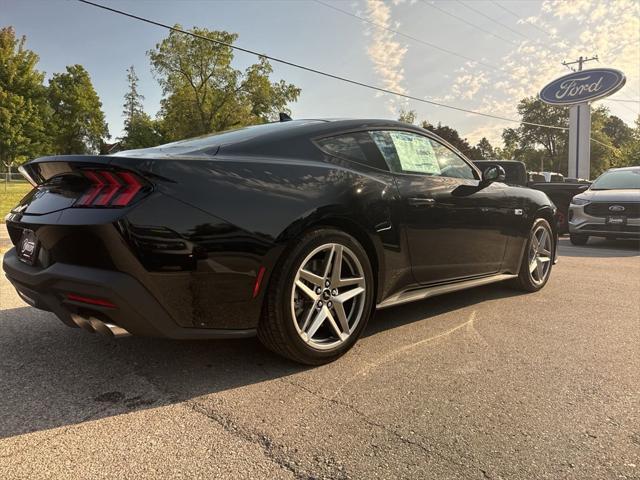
80	181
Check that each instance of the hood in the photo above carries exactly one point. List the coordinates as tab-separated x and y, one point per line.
622	195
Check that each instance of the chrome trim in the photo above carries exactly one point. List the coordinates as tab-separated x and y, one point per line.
426	292
93	325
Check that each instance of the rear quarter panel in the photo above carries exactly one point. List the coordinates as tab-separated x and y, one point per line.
250	209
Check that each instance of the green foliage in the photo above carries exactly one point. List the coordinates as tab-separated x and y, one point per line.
484	150
141	132
407	116
619	132
132	99
613	142
629	153
540	148
203	93
78	123
10	195
452	136
24	113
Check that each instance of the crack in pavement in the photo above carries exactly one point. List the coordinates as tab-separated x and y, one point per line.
272	450
372	423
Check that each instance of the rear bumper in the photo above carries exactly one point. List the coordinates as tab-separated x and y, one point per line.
136	309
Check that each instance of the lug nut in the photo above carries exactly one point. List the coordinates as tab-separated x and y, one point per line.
329	304
318	290
327	283
334	292
320	303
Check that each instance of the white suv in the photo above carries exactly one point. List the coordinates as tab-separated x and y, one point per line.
609	208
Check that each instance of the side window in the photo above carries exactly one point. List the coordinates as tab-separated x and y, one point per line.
407	152
412	153
356	146
451	164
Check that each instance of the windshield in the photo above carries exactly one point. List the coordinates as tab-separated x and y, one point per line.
617	179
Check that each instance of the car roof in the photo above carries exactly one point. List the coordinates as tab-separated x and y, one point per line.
617	169
286	137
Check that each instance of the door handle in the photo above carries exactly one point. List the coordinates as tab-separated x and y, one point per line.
421	202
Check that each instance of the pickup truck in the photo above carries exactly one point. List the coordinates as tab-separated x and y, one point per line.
559	192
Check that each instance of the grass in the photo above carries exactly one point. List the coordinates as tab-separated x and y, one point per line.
10	194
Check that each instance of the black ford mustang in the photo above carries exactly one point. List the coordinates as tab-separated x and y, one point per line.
294	230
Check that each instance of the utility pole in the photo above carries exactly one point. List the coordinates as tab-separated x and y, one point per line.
582	60
579	130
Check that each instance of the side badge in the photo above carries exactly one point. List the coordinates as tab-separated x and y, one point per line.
518	211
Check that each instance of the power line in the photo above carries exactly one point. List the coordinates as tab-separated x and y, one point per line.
325	74
522	19
396	32
473	25
316	71
497	22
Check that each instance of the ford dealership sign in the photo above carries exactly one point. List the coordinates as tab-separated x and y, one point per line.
583	86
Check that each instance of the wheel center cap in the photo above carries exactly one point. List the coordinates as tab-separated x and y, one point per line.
326	294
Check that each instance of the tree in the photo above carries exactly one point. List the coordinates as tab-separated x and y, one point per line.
141	131
452	136
24	112
618	131
203	93
630	151
132	99
484	150
407	116
78	122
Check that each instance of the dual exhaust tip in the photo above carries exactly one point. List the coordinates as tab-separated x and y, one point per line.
93	325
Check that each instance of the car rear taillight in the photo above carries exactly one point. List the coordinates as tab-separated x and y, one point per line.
110	188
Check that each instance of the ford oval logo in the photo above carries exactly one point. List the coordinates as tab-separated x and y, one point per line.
583	86
616	208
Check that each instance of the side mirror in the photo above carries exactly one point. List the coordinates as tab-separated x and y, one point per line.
493	174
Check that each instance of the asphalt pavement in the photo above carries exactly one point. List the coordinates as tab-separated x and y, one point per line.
484	384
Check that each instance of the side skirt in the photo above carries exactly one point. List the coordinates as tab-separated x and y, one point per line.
426	292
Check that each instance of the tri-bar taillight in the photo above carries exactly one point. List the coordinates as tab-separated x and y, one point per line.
110	188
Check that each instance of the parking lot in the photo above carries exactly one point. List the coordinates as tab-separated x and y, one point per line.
483	384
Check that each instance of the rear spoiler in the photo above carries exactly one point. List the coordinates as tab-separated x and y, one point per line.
40	170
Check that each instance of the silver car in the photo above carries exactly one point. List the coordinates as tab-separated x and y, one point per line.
609	208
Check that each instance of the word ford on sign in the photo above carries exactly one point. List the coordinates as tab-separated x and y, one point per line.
583	86
577	86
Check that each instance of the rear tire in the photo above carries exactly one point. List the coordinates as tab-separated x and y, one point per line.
537	260
319	298
577	239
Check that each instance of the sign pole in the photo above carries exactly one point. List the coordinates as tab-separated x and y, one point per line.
577	90
579	141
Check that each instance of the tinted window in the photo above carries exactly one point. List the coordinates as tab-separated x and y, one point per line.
451	164
617	179
412	153
356	146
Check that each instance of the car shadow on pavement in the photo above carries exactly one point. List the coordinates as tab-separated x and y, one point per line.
53	376
600	247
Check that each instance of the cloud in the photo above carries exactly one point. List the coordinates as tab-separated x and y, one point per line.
609	29
386	53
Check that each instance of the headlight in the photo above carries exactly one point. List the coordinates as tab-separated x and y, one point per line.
579	201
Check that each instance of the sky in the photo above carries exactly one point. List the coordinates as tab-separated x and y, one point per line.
497	51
